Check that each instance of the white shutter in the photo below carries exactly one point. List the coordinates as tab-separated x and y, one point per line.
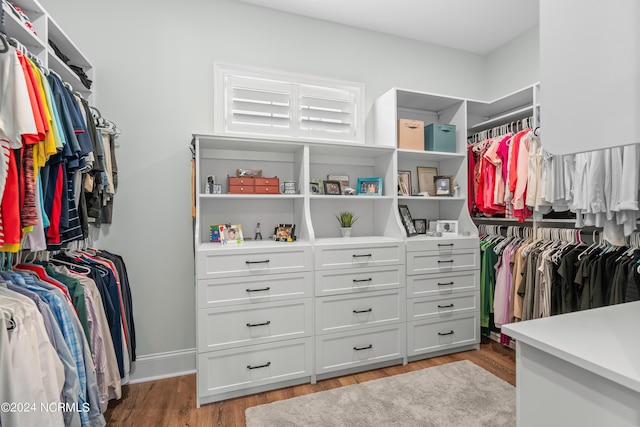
327	113
256	102
257	105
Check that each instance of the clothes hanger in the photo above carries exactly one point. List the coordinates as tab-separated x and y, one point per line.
81	268
5	44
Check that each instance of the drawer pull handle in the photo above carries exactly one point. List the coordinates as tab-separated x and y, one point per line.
446	306
257	262
259	290
259	366
445	284
445	333
251	325
370	346
440	245
446	262
369	310
362	256
362	280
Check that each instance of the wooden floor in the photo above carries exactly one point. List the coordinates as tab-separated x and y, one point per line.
172	402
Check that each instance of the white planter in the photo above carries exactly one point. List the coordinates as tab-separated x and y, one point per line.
346	231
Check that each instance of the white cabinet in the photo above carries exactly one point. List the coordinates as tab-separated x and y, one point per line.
442	272
342	302
360	308
38	44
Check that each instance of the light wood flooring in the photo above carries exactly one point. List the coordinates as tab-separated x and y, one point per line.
172	402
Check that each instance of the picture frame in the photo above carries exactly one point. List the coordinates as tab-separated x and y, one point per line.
426	183
314	188
443	185
344	181
407	221
447	228
420	225
232	234
332	188
404	183
284	232
369	187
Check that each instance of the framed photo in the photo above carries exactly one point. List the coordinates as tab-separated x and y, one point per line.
405	215
233	234
344	181
420	226
444	185
447	228
425	180
332	187
404	183
314	188
285	232
369	186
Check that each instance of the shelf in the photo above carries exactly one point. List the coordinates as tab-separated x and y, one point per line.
226	142
67	46
250	196
343	197
66	74
528	220
430	155
521	112
249	244
433	199
17	30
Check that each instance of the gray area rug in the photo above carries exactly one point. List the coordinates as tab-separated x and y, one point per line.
456	394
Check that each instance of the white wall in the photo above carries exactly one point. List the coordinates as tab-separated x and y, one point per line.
513	65
154	62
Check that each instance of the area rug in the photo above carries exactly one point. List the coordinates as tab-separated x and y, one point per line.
456	394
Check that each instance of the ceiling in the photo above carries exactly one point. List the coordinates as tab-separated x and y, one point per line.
477	26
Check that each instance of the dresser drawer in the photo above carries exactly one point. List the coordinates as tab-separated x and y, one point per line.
359	256
442	284
237	260
239	181
443	307
268	182
244	325
343	313
228	370
267	189
436	262
436	334
334	282
254	290
443	244
352	349
241	189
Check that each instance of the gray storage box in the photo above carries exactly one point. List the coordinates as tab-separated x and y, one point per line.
439	137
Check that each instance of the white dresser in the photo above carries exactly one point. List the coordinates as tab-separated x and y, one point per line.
359	304
254	319
443	295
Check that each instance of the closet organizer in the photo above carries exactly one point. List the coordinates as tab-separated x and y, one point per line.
67	337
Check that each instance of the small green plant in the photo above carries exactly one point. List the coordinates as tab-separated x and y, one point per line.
346	218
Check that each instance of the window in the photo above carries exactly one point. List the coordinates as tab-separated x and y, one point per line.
258	102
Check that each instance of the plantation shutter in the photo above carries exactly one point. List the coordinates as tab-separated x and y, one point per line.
327	113
256	102
257	105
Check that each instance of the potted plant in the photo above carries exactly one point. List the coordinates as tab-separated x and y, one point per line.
346	220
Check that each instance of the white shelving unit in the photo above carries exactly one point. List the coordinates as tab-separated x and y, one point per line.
442	273
38	44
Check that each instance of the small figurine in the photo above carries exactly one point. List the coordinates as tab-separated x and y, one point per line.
258	235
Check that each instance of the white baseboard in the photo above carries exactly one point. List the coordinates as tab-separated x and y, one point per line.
163	365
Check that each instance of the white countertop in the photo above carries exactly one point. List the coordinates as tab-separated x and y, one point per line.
605	341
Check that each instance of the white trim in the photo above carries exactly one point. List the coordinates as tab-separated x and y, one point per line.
163	365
